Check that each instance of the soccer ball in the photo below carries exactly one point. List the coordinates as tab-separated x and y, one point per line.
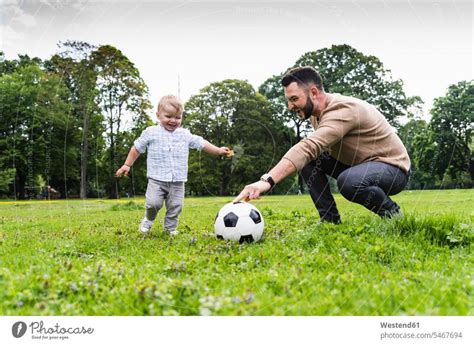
240	222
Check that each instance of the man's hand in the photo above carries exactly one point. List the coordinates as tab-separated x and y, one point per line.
124	170
253	191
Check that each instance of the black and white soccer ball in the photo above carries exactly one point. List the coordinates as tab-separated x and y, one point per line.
240	222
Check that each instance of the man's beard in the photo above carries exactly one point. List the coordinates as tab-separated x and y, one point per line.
308	108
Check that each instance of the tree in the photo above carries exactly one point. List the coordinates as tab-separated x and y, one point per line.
137	181
349	72
6	179
76	69
10	66
33	125
417	139
451	126
121	92
230	113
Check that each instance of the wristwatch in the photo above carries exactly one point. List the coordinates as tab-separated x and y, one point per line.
269	179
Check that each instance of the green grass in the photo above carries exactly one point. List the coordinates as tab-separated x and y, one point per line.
87	258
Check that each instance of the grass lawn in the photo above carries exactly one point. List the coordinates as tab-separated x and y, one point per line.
73	257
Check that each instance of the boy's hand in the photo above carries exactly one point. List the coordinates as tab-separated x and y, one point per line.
225	151
124	170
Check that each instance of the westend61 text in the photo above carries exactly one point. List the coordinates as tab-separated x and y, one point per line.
400	325
38	328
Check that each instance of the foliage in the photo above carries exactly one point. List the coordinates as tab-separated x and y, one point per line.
6	179
137	181
55	113
70	121
230	113
75	67
441	150
415	135
451	126
349	72
34	136
121	91
10	66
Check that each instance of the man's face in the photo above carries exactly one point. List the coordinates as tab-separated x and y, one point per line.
299	100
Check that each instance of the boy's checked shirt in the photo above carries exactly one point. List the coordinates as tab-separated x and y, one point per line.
167	158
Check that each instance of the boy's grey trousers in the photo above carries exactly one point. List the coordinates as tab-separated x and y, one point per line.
172	193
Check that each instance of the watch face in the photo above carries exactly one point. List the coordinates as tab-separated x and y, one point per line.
267	178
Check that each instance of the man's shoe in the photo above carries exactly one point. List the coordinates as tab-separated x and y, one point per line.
397	215
326	220
394	213
145	226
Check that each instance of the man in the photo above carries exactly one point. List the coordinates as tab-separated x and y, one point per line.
352	142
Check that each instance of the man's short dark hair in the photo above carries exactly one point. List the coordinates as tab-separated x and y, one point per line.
305	75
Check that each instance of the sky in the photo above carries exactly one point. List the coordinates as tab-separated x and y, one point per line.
182	46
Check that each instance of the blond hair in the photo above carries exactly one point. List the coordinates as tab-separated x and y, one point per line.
171	101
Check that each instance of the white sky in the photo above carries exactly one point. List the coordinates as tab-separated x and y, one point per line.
428	44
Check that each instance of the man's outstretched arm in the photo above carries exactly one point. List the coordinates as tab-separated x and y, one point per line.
282	170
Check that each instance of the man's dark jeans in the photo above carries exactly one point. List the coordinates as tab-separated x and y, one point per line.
368	184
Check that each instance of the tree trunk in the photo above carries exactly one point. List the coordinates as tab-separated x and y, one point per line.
223	187
84	157
112	181
117	143
20	187
112	188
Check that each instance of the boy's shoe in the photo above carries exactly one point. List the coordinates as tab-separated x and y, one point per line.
172	233
145	225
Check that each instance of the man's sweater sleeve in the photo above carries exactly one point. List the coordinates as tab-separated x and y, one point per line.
333	127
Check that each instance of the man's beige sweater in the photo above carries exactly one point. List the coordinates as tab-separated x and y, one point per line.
353	132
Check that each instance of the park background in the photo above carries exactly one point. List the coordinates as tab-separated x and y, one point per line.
79	81
73	99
